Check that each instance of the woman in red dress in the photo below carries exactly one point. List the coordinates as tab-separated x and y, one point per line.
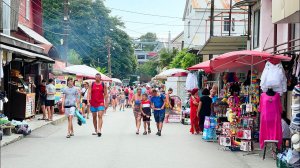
194	102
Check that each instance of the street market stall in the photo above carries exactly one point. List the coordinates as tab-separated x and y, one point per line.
238	101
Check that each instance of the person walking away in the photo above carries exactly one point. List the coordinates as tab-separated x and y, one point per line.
131	94
51	90
43	97
98	101
158	102
122	101
84	95
137	109
204	108
70	102
146	112
168	103
127	97
194	103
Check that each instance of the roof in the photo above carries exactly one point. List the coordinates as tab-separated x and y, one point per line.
222	44
31	33
178	36
203	4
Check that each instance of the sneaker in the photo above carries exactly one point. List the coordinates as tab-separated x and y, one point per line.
68	136
99	134
159	133
149	131
145	133
72	134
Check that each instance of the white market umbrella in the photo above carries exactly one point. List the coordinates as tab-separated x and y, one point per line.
169	72
85	71
116	80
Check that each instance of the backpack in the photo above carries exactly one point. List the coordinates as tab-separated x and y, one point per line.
102	87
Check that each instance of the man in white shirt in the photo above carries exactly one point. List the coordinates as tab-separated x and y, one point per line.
50	101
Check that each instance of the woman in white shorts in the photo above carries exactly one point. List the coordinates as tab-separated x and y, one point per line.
70	102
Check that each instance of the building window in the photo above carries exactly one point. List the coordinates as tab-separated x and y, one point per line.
27	9
141	57
256	29
226	24
189	29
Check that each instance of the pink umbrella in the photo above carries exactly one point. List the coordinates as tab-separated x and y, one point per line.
205	66
244	59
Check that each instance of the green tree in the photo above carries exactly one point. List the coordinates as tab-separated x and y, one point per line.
165	57
148	37
74	58
101	70
90	24
147	70
184	59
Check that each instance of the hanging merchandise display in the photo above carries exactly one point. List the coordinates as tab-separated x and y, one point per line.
270	120
191	81
274	77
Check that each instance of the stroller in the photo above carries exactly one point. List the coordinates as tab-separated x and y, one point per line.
185	113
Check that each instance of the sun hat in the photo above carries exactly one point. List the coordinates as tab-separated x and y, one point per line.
296	141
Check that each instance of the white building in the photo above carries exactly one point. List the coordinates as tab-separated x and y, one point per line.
196	19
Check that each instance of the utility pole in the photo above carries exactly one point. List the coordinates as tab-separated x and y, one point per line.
169	42
66	27
212	11
108	57
230	11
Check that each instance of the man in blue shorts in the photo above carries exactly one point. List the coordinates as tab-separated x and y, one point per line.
158	102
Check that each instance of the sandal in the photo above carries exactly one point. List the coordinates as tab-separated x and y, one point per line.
94	133
145	133
149	131
72	134
68	136
137	133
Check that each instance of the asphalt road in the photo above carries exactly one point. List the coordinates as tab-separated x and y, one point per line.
119	147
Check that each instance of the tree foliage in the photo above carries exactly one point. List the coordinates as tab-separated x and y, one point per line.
184	59
74	58
90	24
166	57
148	37
147	70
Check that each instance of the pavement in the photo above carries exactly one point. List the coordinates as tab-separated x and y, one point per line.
120	147
34	124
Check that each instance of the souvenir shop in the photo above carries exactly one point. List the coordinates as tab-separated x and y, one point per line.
252	96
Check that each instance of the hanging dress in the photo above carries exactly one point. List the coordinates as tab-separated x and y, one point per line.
270	119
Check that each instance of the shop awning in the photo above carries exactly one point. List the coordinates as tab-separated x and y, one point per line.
85	71
205	66
217	45
37	37
30	55
244	3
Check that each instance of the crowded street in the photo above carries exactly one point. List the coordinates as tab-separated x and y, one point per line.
119	146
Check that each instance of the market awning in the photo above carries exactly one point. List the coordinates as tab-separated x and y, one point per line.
85	71
205	66
217	45
32	56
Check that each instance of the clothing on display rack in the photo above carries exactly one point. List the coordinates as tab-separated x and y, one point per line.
191	81
1	67
270	120
274	77
296	66
295	124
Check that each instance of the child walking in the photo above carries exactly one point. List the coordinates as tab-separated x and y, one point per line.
122	101
146	112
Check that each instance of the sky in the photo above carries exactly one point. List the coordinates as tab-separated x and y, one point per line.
172	8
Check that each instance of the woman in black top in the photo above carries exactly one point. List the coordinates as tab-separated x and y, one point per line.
204	108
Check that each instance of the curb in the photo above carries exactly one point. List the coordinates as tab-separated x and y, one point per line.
19	137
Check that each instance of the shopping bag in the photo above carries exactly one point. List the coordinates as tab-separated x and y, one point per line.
80	117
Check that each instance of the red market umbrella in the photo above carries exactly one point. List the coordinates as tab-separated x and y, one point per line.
205	66
243	59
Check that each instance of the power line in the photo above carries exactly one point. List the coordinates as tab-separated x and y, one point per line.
148	14
32	22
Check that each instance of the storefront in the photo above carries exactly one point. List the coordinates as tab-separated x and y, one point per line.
242	116
21	69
